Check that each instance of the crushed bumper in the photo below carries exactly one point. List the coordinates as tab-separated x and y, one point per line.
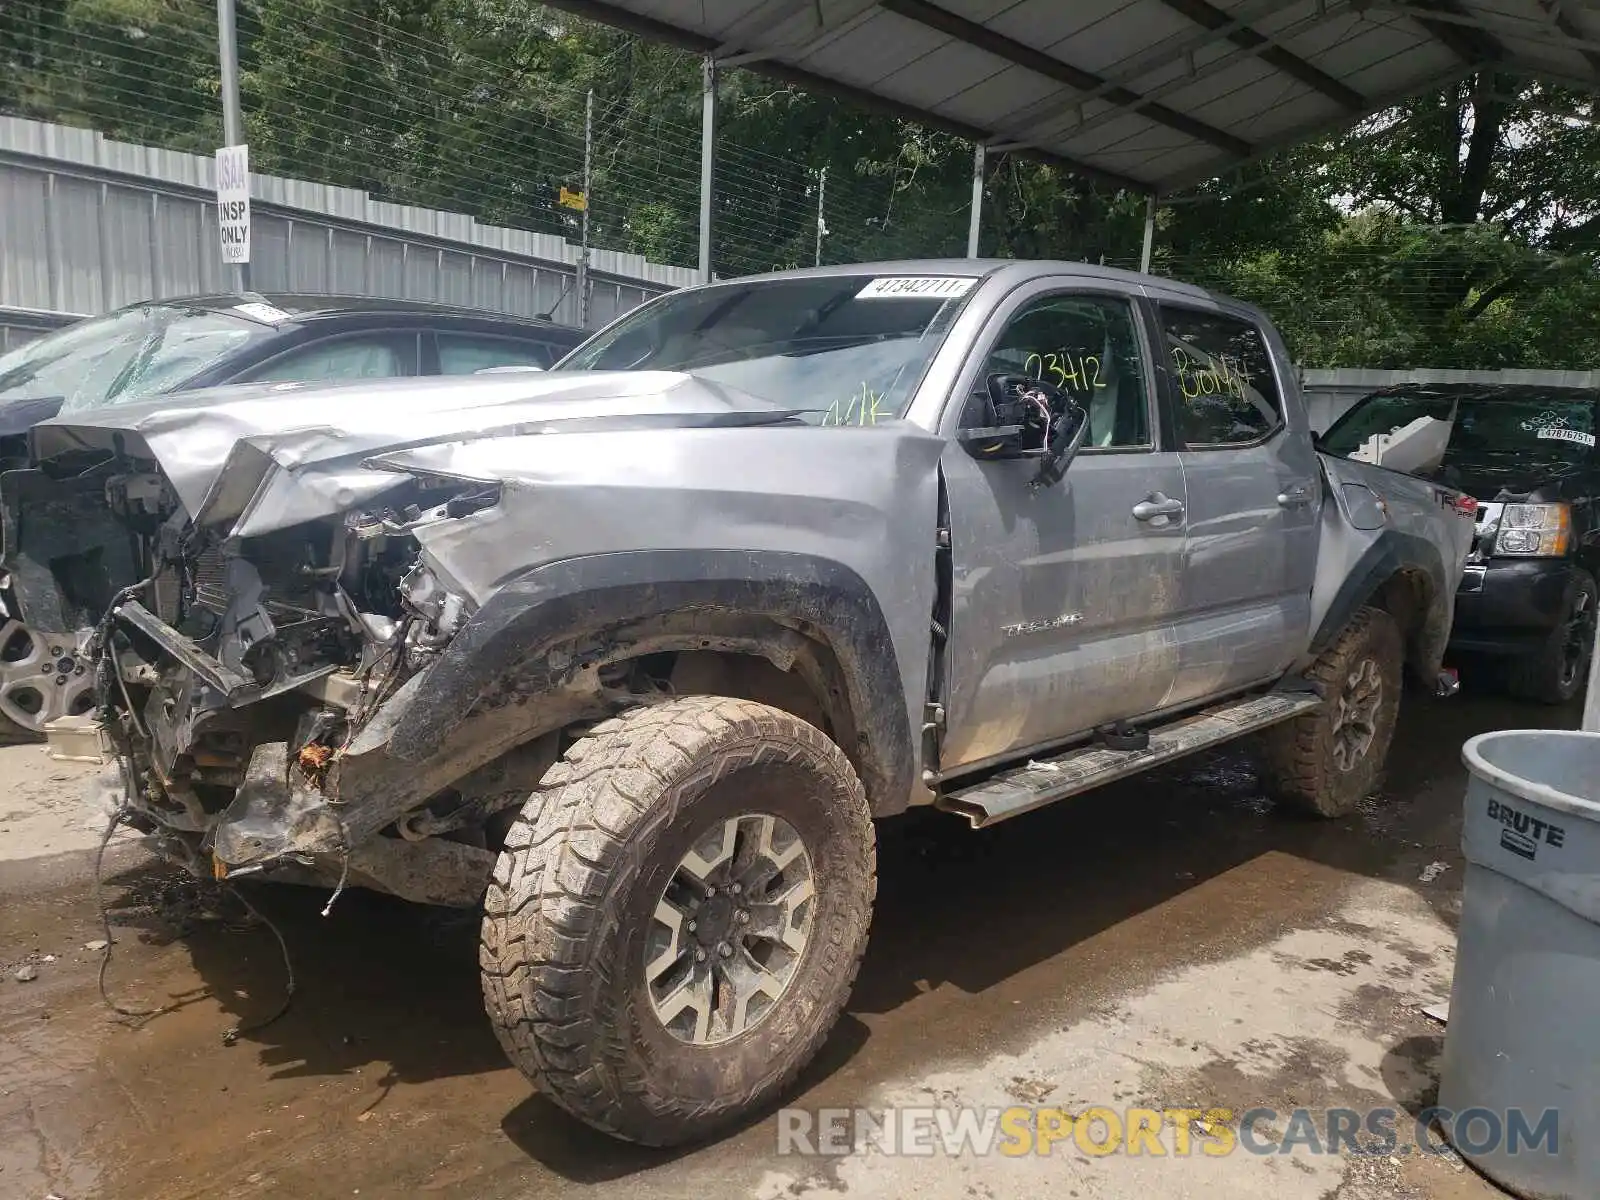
308	808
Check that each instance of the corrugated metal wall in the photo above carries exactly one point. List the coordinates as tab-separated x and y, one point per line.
87	225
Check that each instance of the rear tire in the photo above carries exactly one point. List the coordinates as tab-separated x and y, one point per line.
1325	762
1558	671
678	915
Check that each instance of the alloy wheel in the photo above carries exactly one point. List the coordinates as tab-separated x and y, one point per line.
41	677
1355	724
1578	640
730	929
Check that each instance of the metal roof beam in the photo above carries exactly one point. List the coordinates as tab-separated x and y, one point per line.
1448	23
1319	129
1205	14
1048	112
1048	116
909	112
1569	29
739	38
983	38
621	18
1561	33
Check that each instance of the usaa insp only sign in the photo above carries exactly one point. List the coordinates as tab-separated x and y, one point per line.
233	202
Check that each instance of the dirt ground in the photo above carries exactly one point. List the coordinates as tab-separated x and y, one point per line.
43	812
1172	943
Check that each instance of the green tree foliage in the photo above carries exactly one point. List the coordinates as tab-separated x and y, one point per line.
1460	229
141	70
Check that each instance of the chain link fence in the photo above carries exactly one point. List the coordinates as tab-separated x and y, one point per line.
483	107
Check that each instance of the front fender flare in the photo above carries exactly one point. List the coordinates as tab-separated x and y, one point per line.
551	605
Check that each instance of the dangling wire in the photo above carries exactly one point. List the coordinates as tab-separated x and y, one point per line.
232	1035
117	818
105	653
344	874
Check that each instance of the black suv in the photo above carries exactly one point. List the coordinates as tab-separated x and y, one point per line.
162	346
1527	453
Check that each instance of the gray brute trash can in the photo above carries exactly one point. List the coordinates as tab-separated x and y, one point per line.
1523	1035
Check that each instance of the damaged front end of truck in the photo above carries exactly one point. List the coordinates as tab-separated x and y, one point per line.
267	636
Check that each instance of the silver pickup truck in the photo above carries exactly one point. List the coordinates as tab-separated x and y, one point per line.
633	654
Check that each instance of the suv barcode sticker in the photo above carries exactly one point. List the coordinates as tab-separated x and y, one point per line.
1567	435
266	313
911	287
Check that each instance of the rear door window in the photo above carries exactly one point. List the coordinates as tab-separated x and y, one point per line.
1221	370
354	356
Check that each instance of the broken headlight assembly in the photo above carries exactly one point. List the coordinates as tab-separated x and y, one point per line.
441	609
1534	531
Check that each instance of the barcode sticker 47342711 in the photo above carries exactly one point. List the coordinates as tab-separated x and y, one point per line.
917	287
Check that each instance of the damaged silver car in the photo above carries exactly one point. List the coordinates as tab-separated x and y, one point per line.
633	654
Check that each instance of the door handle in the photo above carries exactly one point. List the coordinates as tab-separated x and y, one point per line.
1293	497
1158	505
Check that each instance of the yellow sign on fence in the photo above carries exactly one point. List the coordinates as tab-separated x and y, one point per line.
573	200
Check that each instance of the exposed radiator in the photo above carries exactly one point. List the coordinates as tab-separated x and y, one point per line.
210	581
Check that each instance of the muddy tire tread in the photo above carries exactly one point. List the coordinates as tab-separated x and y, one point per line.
556	892
1296	769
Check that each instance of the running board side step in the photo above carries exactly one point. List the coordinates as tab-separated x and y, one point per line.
1044	781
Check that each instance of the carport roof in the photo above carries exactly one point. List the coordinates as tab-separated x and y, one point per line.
1147	94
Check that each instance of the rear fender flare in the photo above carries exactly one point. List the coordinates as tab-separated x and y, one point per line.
1394	553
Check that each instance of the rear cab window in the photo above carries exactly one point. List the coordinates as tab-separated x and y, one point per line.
375	355
1223	383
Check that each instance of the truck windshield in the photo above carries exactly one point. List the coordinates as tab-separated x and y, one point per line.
123	356
1555	425
846	349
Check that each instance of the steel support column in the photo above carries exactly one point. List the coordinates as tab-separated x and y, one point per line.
583	253
232	115
708	160
975	222
1149	233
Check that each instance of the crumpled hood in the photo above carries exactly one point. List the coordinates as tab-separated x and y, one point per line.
267	456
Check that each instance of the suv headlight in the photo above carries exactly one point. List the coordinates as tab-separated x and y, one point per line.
1534	530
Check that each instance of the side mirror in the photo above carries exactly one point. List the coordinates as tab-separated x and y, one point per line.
1011	418
1067	438
992	443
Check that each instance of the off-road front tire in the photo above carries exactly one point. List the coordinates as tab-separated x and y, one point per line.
1558	670
1325	762
658	957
